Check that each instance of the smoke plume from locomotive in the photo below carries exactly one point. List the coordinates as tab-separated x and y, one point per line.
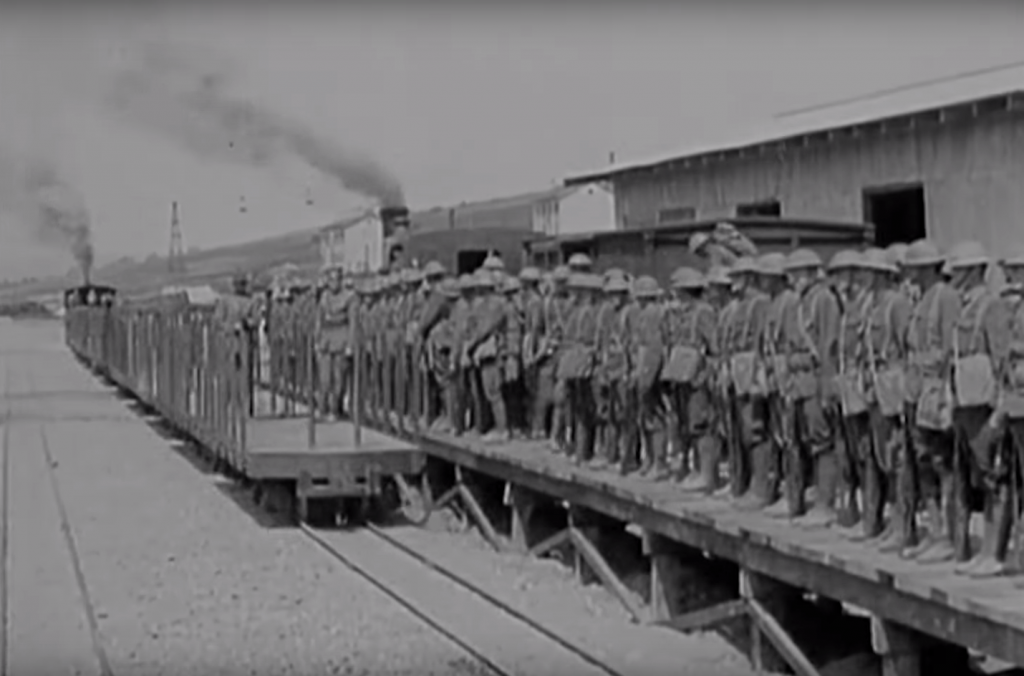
186	99
41	199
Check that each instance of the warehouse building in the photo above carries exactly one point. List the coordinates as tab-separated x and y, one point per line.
943	159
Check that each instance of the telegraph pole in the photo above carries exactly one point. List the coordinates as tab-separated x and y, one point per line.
176	255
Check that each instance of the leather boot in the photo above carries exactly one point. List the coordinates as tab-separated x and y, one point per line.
760	494
659	469
997	532
823	513
941	549
708	458
602	452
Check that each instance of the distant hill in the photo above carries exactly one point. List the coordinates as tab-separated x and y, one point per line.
202	267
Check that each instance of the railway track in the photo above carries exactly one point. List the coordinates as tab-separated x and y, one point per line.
503	640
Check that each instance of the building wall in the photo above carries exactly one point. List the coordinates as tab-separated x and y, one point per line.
358	247
973	177
589	209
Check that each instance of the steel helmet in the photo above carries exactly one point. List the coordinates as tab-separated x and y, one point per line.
483	280
529	274
967	255
896	253
561	274
646	287
718	275
772	264
579	260
844	260
744	264
492	262
511	284
697	240
801	259
414	276
921	253
434	269
688	278
449	288
877	260
465	282
616	284
1014	257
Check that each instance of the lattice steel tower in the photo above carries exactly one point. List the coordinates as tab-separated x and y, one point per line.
176	255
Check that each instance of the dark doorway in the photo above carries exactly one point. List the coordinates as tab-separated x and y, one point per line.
765	208
897	213
468	261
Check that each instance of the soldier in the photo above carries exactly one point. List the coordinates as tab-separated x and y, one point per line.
493	263
811	339
929	399
1011	417
551	389
484	348
748	385
432	303
461	319
724	295
884	356
767	462
335	353
511	343
690	323
533	329
611	369
576	363
851	280
648	342
235	314
981	347
440	342
580	263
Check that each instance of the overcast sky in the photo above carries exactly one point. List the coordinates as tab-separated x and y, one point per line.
460	104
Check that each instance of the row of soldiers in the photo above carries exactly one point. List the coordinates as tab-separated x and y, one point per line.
881	393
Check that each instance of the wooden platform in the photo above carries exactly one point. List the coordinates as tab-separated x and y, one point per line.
987	616
278	448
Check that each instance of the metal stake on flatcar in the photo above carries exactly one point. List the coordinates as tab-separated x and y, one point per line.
355	406
310	387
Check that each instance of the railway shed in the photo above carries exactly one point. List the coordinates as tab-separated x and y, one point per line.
943	159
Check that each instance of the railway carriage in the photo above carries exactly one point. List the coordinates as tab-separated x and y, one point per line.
184	361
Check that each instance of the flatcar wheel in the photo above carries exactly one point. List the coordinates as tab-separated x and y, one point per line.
416	499
355	511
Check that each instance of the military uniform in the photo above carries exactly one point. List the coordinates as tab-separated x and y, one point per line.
551	344
485	350
690	330
649	344
335	358
929	400
513	390
533	333
461	324
981	347
743	337
811	341
611	374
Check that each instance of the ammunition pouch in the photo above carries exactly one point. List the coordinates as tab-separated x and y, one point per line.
853	398
935	406
975	381
683	366
890	390
748	374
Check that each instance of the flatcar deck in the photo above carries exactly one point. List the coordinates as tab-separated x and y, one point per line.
278	448
984	615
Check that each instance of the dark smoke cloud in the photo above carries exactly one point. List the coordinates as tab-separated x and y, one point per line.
41	199
187	100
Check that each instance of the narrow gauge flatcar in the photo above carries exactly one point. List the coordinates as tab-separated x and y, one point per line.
658	251
187	363
86	309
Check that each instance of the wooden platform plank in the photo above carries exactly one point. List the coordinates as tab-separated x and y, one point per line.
289	436
735	531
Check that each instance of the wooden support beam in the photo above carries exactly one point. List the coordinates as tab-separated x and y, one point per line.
523	503
900	648
766	600
465	496
706	618
604	572
774	632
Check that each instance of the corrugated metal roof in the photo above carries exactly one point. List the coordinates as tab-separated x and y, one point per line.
915	98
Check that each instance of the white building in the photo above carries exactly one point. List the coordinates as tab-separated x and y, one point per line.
583	208
356	244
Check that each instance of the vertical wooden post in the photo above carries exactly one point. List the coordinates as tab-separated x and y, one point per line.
898	647
246	403
355	406
523	505
308	342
